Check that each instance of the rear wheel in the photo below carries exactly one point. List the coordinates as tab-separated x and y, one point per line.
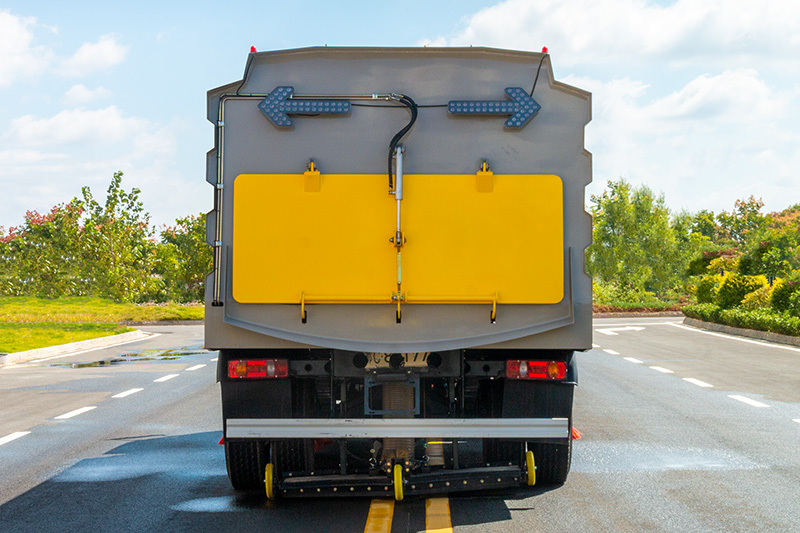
552	462
500	452
290	455
246	462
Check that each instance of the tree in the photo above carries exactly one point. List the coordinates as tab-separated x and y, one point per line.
744	222
635	244
119	252
83	248
41	257
704	222
184	259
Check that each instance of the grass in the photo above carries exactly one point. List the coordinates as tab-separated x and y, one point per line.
93	310
28	323
20	336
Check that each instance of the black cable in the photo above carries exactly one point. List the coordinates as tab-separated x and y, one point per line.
390	105
537	73
412	106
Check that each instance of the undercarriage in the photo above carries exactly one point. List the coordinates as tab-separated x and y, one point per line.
339	423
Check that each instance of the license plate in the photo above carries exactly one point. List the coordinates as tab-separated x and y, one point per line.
381	360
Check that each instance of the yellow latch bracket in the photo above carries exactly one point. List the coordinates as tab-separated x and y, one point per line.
484	181
312	178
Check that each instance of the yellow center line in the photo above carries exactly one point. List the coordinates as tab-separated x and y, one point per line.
379	519
437	516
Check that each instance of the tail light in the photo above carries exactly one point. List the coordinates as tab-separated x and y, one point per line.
536	369
258	368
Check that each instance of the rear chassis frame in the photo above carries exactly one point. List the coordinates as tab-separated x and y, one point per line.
318	414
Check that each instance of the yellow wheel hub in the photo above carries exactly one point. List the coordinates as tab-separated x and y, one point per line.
398	483
529	462
268	482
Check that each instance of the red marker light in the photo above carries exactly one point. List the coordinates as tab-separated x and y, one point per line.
253	50
544	50
536	369
264	368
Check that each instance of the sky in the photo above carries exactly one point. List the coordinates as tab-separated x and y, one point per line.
695	98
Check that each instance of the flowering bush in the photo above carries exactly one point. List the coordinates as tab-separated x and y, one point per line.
88	248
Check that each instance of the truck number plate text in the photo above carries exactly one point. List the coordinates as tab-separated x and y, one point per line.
382	360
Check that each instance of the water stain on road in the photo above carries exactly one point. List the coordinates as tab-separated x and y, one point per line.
606	457
144	355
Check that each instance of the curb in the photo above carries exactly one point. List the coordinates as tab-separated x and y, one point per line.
66	349
751	333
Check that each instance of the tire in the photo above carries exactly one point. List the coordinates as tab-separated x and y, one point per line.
552	462
290	455
246	462
497	451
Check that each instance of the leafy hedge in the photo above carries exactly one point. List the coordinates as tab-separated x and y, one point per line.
784	294
759	319
735	287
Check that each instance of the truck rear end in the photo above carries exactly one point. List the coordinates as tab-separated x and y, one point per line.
399	284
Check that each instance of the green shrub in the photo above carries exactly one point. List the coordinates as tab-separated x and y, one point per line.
794	304
758	299
735	287
782	293
723	264
759	319
707	288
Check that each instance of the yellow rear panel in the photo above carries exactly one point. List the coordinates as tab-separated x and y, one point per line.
463	242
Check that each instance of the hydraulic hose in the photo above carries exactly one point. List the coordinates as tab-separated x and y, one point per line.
412	106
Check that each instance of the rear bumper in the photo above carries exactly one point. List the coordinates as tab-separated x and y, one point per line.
380	428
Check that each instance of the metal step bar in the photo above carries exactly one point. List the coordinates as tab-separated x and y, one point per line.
357	428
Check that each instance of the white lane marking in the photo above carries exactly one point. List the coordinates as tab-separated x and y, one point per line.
195	367
635	324
165	378
662	369
698	382
151	335
76	412
633	360
595	345
735	338
748	401
127	393
796	420
214	360
611	352
13	436
613	331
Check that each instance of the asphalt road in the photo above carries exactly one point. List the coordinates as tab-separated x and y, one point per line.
683	430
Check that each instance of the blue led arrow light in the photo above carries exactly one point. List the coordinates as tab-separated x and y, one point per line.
278	105
522	107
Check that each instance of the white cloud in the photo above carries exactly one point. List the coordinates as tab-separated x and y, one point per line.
695	98
18	58
75	126
46	160
714	140
80	94
611	31
90	57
